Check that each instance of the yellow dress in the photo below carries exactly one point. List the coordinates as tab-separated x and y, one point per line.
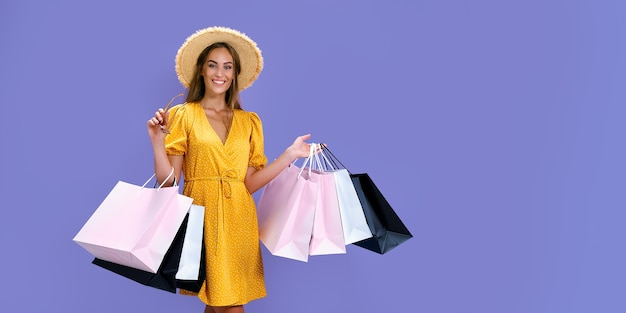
214	177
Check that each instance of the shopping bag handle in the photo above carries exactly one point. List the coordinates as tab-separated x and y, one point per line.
326	162
319	166
163	183
309	160
333	158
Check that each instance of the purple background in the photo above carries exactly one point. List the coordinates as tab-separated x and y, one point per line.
494	128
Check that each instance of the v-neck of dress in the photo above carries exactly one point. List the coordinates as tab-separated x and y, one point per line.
232	123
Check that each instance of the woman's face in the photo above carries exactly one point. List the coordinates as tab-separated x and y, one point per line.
218	71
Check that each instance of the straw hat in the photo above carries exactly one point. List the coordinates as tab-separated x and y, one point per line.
249	54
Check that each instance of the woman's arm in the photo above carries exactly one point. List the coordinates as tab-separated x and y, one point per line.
256	179
163	163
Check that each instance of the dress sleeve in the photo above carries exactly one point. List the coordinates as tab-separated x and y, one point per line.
176	140
257	158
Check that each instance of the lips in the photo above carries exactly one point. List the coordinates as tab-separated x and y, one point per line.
218	82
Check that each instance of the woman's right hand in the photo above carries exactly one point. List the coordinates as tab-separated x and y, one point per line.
157	125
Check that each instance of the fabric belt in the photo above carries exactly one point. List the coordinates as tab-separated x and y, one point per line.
225	179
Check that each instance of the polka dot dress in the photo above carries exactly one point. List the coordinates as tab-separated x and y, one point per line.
214	175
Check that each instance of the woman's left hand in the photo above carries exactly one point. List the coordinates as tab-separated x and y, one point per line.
299	148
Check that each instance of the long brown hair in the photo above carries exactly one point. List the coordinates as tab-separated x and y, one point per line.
196	86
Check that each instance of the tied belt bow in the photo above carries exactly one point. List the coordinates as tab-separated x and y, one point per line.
225	179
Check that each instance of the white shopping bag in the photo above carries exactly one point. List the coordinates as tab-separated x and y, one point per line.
355	226
191	256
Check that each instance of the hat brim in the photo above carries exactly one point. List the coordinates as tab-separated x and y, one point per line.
249	54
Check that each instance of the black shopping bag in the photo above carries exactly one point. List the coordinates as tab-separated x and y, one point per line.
165	277
387	229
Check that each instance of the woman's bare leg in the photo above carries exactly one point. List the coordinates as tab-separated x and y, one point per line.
224	309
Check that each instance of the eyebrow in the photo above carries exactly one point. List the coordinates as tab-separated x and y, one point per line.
224	62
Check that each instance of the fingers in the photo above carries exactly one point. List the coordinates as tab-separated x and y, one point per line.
303	137
159	118
159	121
301	140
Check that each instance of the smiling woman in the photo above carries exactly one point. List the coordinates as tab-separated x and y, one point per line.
216	66
220	149
217	71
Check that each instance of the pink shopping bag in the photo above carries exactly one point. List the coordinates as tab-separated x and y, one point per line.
134	225
327	235
286	210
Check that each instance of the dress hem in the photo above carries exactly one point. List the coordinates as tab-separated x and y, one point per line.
191	293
